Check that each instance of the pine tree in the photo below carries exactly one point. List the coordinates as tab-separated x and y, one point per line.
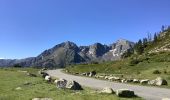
145	42
155	38
139	47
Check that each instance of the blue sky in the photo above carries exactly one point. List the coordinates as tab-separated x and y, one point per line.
28	27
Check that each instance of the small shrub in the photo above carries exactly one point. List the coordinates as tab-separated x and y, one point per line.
17	66
156	72
134	62
165	71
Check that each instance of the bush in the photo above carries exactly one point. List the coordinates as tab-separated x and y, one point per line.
165	71
156	72
134	62
17	66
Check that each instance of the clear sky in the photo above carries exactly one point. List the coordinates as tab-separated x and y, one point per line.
28	27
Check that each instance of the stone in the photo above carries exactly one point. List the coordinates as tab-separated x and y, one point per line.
73	85
87	74
42	99
18	88
129	81
110	78
145	81
61	83
44	74
93	73
123	80
160	81
125	93
107	90
101	76
48	78
116	79
136	81
152	82
83	74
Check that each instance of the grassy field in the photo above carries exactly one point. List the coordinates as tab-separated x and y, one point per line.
12	78
142	69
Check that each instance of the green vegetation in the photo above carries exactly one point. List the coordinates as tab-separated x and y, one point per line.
32	87
148	66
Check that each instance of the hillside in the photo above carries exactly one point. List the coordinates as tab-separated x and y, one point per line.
152	63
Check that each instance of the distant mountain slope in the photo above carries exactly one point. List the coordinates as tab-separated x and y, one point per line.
68	52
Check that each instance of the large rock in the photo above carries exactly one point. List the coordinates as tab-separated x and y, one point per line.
125	93
152	82
129	81
160	81
61	83
44	74
136	81
73	85
93	73
107	90
48	78
145	81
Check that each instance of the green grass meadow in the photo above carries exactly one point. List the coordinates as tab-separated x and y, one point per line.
11	78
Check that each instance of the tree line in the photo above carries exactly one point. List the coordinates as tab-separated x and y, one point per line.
147	42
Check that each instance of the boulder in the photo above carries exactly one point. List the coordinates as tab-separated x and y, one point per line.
61	83
123	80
125	93
110	78
55	81
136	81
101	76
73	85
42	99
93	73
83	74
18	88
107	90
145	81
152	82
87	74
48	78
129	81
116	79
44	74
160	81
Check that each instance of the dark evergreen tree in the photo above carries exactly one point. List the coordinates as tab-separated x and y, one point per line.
139	47
145	42
155	38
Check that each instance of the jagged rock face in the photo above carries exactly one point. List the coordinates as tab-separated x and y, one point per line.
98	50
67	53
117	49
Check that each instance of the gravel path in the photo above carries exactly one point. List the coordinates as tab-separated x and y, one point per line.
148	93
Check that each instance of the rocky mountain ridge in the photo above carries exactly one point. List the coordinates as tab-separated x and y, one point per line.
68	53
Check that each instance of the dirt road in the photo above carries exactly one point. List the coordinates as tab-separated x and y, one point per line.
148	93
